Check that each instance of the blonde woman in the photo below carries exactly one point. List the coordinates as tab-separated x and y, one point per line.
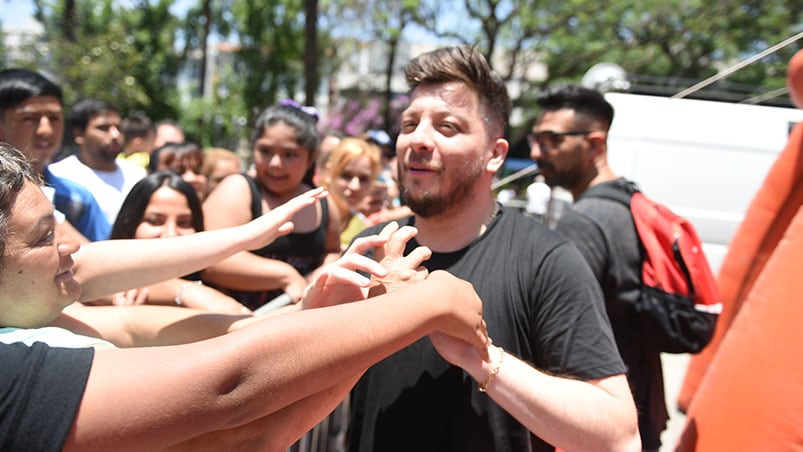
350	172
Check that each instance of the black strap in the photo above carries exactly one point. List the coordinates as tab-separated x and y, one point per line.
256	201
256	196
619	190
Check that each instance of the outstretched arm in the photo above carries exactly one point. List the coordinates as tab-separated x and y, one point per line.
148	325
230	205
236	379
276	431
568	413
112	266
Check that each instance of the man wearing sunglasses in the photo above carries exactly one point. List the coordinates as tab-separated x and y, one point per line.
569	143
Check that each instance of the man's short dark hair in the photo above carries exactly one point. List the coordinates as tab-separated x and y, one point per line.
587	102
18	85
136	125
84	110
469	66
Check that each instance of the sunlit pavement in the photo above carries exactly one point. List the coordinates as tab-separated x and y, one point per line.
674	371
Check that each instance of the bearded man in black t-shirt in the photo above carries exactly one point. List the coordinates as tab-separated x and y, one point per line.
555	378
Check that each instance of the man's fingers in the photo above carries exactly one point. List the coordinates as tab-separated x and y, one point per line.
363	244
417	257
398	241
389	229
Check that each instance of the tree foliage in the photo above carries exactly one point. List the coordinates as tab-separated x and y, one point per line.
98	49
138	54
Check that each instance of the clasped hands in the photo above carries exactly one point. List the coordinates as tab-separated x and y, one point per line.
463	333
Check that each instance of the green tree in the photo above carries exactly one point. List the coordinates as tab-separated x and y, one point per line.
381	21
675	43
99	49
3	51
664	45
311	78
269	60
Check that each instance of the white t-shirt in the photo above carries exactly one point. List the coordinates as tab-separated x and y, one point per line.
108	187
52	336
538	196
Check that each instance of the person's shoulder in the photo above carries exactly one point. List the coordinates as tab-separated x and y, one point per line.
131	169
233	192
62	185
67	163
237	183
527	230
598	210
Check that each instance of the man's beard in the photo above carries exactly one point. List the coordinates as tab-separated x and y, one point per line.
567	178
436	201
107	154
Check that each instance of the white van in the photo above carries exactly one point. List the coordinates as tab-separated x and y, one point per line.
705	160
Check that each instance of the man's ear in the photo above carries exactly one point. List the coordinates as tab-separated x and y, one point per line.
599	145
498	155
78	136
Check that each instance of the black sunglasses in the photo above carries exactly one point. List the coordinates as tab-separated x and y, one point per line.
547	140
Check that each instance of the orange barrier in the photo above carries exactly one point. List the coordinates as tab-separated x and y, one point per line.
766	219
752	395
794	78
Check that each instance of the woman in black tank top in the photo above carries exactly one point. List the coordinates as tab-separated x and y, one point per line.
284	144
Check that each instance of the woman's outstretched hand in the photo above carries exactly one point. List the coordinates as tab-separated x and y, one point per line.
278	221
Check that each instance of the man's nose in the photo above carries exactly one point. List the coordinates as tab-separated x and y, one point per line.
45	126
535	151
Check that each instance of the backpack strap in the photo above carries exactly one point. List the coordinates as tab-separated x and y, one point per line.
620	190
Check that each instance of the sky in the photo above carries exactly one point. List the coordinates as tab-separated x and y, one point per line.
15	13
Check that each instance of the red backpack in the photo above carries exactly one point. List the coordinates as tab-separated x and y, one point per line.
679	302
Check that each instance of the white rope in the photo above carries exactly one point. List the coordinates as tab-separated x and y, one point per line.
736	67
765	96
517	175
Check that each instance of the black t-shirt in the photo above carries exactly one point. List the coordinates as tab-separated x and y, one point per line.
605	234
540	302
40	391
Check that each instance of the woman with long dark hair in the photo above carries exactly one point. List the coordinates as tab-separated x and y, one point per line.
165	205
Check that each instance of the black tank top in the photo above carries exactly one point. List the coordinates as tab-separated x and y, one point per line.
304	251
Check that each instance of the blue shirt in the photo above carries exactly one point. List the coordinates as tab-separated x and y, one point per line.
79	207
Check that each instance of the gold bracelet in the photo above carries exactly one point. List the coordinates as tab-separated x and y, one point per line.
494	372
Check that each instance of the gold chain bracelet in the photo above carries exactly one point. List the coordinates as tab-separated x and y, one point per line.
494	372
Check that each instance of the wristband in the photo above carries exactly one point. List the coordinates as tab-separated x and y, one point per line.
494	372
181	291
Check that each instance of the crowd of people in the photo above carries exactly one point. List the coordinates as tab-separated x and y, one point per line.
446	321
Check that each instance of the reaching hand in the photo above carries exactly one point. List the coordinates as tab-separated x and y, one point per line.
339	281
401	270
131	297
276	223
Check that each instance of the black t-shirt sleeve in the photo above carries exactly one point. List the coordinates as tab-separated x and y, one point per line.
40	391
573	332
